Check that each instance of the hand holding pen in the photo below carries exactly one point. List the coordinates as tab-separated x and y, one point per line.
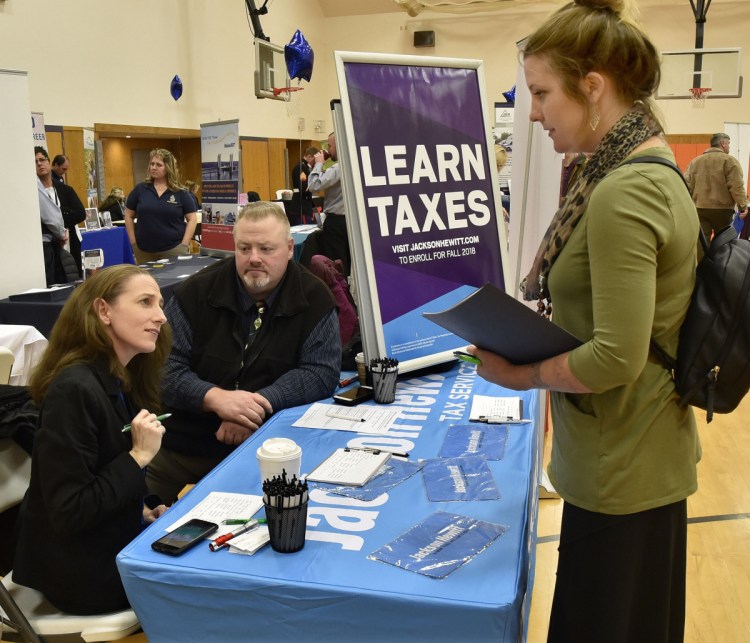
147	432
221	541
160	418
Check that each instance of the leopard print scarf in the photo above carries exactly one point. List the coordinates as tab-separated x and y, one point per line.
629	132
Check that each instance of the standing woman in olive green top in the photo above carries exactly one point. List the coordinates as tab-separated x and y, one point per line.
617	265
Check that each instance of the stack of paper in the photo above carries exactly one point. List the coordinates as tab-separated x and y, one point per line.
218	506
250	542
349	466
360	419
508	409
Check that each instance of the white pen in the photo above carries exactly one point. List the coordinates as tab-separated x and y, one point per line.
377	450
341	416
500	419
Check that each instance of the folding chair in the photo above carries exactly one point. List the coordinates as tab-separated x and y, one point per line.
32	616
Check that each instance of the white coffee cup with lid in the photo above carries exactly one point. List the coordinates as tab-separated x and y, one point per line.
277	455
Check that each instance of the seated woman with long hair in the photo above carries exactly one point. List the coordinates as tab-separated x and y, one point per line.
114	204
100	372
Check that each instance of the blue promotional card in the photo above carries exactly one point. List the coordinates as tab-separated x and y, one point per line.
440	544
465	478
394	472
487	440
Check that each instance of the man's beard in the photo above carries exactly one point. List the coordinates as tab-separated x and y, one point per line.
255	284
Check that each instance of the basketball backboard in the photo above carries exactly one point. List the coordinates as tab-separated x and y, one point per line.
717	69
270	70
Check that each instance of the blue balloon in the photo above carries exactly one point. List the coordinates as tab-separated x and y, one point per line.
299	57
176	88
510	95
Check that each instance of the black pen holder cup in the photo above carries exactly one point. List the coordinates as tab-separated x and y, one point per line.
286	527
384	385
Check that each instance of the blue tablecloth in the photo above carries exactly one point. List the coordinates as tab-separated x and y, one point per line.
299	235
113	241
330	591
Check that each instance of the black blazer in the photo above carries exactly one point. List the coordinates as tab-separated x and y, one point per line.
73	213
85	500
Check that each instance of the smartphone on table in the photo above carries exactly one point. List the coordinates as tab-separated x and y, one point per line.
184	537
354	396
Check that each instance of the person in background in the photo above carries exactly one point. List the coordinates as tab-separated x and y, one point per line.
301	206
165	212
192	187
73	211
100	372
617	265
334	240
253	334
114	204
501	158
716	182
54	232
60	165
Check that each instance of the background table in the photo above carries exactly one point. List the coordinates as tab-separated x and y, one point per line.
299	235
27	345
330	591
42	315
113	241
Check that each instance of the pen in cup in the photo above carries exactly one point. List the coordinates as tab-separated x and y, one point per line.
161	418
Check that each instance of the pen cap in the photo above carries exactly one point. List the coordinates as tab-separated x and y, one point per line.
277	455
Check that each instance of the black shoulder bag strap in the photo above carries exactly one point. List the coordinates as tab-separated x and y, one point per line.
669	362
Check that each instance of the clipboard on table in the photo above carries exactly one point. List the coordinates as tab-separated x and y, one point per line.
493	320
349	467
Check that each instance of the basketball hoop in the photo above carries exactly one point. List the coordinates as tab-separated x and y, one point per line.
292	102
699	96
286	92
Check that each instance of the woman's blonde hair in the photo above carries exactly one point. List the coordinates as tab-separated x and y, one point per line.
115	194
501	156
170	163
79	336
599	36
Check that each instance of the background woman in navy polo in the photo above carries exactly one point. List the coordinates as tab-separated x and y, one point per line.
159	213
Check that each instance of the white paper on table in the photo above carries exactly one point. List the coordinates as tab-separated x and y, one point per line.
360	419
31	291
250	542
350	467
218	506
487	405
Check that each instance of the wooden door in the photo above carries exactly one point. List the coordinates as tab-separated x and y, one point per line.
255	168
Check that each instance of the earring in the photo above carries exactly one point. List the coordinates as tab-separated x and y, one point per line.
595	117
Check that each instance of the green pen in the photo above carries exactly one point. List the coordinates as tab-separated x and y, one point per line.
466	357
242	521
161	418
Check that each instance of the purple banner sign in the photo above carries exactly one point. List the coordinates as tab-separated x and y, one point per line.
424	173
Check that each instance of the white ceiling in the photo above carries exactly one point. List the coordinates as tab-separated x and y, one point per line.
340	8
